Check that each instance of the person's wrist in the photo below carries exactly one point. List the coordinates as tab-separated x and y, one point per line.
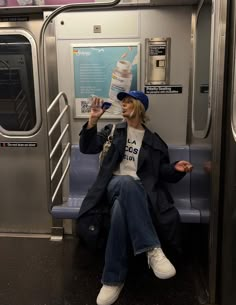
92	122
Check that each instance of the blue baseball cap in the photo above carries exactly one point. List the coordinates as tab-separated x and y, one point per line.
138	95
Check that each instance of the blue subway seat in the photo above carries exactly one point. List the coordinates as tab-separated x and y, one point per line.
181	191
69	209
83	172
200	156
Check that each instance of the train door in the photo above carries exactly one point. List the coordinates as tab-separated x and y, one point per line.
23	140
227	271
205	137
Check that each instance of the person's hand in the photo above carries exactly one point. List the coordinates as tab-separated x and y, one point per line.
207	167
96	111
183	166
96	107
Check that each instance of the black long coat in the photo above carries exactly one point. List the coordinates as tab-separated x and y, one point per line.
153	170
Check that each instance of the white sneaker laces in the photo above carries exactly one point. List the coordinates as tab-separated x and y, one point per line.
155	255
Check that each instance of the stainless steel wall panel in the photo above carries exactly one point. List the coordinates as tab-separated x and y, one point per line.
24	180
173	22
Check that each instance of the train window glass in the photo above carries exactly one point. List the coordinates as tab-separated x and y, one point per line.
201	106
17	90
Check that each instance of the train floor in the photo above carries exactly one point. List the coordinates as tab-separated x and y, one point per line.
41	272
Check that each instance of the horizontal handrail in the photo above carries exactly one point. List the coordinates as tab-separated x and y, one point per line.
58	120
56	100
61	180
67	148
59	141
60	160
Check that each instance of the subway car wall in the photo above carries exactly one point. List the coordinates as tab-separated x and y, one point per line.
182	114
124	27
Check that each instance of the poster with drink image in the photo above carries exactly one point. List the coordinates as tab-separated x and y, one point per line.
104	70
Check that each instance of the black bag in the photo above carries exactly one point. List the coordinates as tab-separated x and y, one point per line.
93	227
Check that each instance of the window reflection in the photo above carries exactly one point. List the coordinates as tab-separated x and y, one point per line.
201	105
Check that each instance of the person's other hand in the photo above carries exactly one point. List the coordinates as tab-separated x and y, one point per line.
183	166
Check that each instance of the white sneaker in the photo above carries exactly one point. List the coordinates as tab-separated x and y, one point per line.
109	294
160	264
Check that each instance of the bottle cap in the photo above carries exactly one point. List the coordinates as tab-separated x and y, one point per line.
123	65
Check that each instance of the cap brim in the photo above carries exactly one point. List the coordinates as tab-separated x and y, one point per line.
122	95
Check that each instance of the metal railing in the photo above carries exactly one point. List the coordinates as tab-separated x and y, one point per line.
66	151
43	84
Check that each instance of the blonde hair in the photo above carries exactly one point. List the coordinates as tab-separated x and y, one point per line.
140	110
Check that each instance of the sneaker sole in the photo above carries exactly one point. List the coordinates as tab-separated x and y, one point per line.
164	276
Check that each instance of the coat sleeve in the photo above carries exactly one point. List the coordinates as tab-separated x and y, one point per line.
91	141
167	170
168	173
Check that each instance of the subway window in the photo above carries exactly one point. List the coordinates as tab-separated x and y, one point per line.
17	93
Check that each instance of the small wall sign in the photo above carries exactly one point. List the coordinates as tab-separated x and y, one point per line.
158	89
18	144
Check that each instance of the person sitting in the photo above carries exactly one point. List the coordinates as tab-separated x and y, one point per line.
130	178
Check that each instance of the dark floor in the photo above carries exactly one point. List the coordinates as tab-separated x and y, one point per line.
41	272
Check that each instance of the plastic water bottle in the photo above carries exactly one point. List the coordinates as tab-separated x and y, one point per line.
112	107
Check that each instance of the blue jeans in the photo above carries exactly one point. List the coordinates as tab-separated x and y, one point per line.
131	227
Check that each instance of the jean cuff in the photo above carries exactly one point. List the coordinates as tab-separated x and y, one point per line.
146	249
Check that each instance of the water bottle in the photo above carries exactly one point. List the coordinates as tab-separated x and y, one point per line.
112	107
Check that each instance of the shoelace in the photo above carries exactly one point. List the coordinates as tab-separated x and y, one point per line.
156	255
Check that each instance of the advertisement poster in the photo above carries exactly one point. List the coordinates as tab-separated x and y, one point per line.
104	70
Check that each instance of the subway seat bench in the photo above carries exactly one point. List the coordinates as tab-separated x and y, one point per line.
193	206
